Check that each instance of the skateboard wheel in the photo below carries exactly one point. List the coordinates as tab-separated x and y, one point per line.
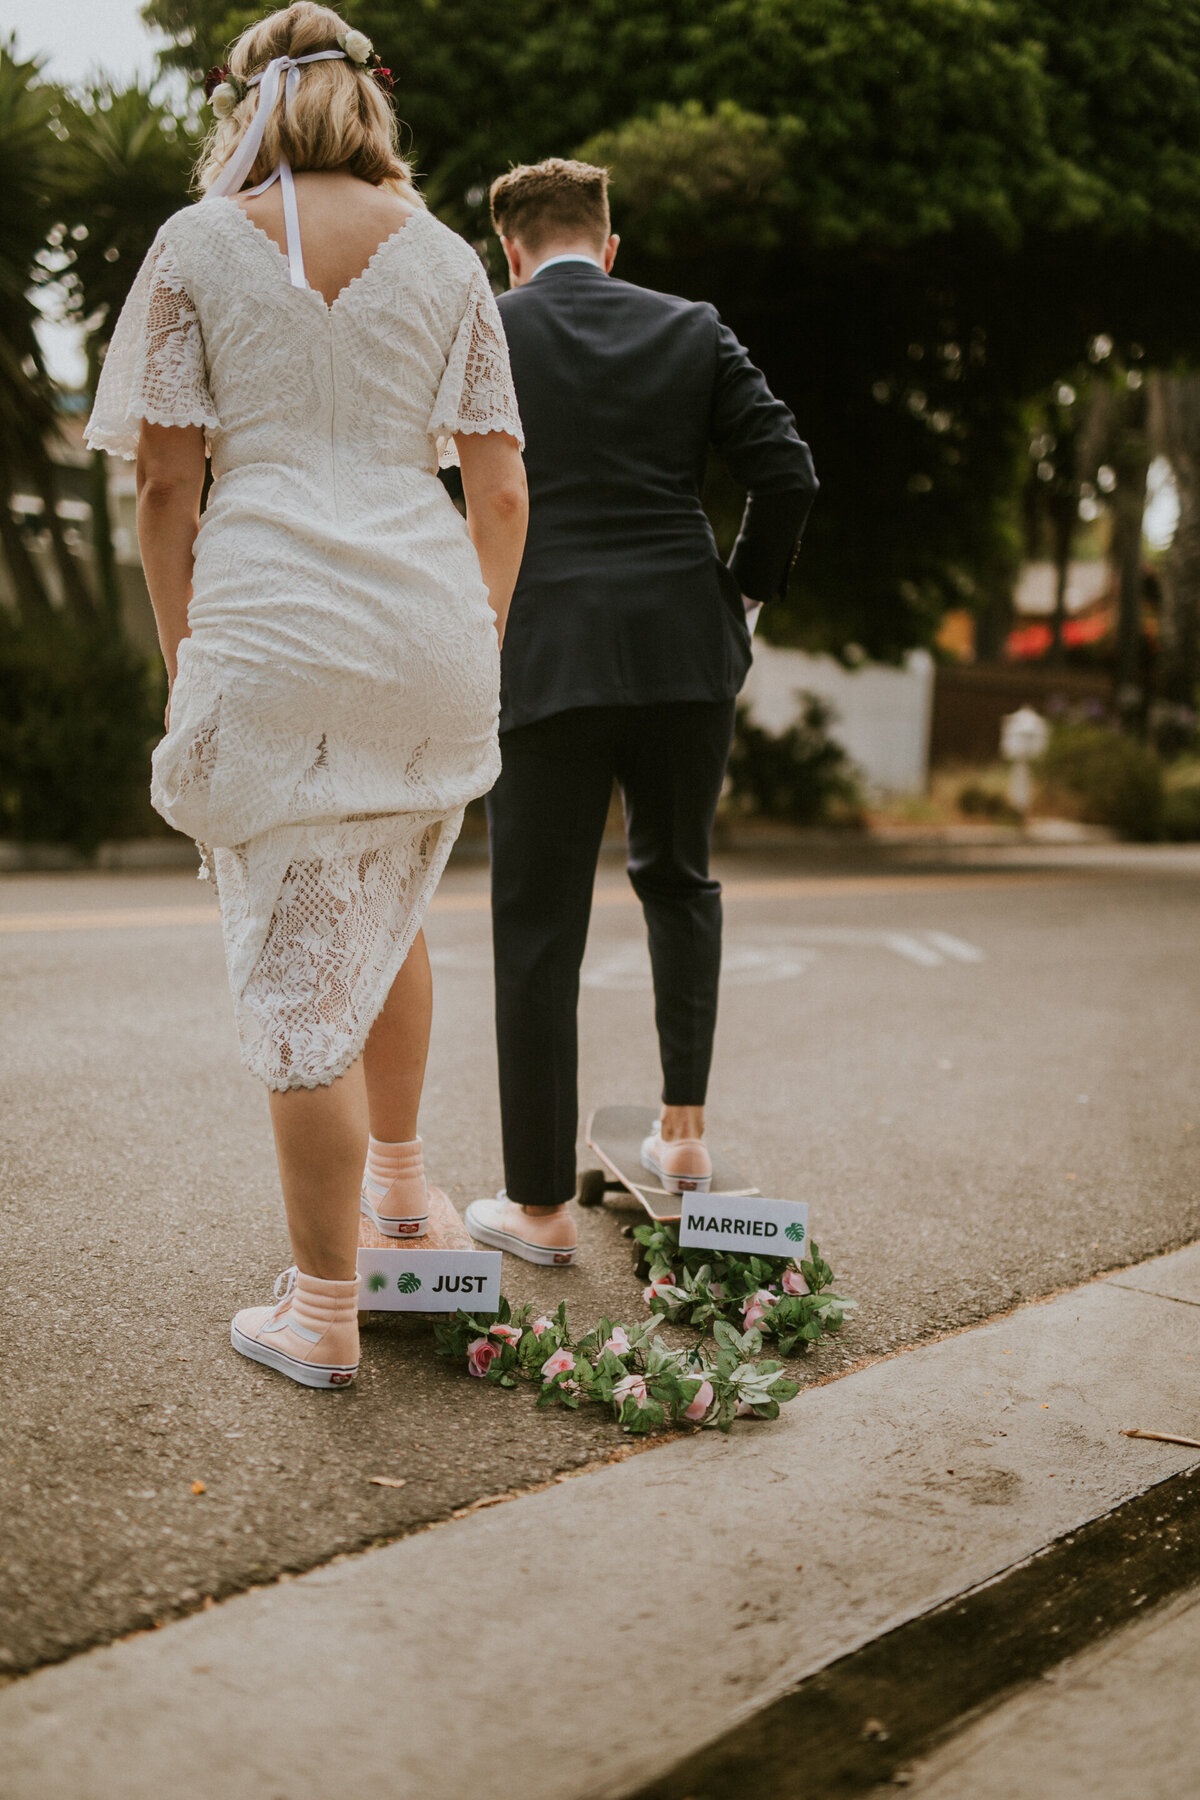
592	1185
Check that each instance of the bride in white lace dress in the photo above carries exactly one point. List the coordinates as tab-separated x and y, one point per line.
330	625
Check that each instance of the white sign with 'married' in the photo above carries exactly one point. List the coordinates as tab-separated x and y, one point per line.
427	1281
747	1223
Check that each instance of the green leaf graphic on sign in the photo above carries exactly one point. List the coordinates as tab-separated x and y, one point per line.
795	1233
377	1281
408	1283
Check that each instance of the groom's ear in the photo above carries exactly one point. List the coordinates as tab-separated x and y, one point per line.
610	252
517	258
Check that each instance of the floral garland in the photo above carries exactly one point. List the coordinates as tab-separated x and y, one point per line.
787	1303
627	1368
630	1369
225	91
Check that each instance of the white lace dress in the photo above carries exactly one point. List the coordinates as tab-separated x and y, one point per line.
336	702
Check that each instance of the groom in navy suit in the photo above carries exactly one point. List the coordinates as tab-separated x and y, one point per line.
627	643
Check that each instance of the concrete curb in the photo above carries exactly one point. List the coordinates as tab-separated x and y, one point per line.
1116	1722
583	1639
731	837
126	855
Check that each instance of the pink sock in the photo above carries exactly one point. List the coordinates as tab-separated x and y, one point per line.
387	1163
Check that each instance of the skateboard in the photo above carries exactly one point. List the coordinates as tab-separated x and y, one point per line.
615	1133
445	1233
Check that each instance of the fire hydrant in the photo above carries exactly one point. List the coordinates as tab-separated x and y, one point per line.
1024	736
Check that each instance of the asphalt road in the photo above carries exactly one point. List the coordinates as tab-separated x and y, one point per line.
983	1079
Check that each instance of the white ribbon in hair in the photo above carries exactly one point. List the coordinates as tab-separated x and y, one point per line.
229	181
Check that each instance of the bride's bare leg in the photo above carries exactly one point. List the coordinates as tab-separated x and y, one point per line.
397	1049
320	1142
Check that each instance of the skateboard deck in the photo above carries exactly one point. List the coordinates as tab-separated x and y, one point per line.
445	1231
615	1133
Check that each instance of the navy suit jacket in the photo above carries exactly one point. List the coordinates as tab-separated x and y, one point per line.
622	598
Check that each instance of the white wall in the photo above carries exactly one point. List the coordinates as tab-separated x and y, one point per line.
882	714
1086	582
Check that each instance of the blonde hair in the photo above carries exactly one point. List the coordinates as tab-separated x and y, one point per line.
339	118
541	202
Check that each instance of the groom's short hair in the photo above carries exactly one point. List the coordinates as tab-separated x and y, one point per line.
541	202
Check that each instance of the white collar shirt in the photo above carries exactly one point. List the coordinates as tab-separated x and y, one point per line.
567	256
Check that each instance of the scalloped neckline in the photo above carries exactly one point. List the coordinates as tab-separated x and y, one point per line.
328	307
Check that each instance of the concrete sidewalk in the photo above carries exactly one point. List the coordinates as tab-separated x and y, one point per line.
581	1640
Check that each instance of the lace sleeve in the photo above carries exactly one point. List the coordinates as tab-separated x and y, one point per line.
155	368
476	392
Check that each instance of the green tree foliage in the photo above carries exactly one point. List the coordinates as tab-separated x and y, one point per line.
88	181
29	155
79	712
125	165
915	212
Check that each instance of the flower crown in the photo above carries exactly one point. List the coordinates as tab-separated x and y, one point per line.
224	90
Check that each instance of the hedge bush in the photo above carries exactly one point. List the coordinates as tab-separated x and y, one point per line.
80	711
802	776
1181	802
1113	779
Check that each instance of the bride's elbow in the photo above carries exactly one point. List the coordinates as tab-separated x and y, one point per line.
509	503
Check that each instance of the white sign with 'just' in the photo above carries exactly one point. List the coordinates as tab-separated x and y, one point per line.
429	1281
748	1223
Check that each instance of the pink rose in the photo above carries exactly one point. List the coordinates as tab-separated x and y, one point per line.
746	1411
630	1387
755	1306
481	1354
658	1287
618	1343
558	1364
794	1282
540	1325
701	1402
716	1289
509	1333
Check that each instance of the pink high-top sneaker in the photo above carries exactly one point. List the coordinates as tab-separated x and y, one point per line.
683	1166
394	1195
311	1334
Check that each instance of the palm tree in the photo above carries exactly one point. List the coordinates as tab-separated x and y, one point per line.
126	161
30	155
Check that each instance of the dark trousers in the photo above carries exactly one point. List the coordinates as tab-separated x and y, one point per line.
546	820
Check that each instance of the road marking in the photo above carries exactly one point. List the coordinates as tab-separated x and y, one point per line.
954	947
625	966
910	947
928	949
803	887
751	960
